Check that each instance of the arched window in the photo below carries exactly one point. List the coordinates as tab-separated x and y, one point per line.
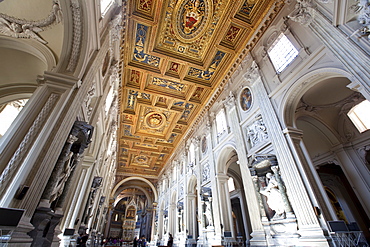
8	112
192	154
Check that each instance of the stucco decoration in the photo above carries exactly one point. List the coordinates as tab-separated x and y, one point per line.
20	28
304	12
257	132
362	8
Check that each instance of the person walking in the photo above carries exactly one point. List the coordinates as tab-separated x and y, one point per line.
170	240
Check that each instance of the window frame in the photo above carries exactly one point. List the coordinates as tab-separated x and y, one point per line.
287	63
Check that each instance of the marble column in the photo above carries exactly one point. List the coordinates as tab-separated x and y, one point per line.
356	173
310	177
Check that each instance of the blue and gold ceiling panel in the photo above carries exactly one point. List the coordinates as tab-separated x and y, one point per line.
141	57
207	75
128	101
144	8
174	55
188	28
166	87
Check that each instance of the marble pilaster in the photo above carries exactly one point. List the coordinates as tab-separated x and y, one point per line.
309	227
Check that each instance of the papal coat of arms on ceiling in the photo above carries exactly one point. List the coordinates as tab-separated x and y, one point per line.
191	18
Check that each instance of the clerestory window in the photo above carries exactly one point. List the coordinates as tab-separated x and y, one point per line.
359	115
8	112
221	123
282	52
104	6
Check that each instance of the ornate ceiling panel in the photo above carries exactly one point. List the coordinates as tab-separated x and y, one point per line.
175	53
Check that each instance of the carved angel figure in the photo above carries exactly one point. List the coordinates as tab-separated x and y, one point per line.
17	30
304	12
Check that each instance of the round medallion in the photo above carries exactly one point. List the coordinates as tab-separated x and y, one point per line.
155	120
141	159
191	18
246	99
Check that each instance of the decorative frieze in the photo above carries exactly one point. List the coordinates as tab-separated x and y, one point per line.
76	35
206	172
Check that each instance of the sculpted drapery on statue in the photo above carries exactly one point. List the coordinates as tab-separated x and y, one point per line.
273	194
78	140
304	12
270	187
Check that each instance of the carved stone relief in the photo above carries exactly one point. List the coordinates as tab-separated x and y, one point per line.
304	12
205	172
20	28
257	132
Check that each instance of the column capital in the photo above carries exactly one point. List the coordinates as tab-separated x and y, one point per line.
252	73
294	133
230	100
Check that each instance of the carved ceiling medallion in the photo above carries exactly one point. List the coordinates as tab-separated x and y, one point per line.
155	120
141	159
191	19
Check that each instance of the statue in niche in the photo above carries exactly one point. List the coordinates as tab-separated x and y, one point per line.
165	225
274	198
208	213
69	165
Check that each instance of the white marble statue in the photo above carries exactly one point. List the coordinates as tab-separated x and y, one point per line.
274	198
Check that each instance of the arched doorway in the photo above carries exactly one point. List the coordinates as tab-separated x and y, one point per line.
241	222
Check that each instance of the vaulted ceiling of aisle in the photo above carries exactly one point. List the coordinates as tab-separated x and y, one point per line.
174	55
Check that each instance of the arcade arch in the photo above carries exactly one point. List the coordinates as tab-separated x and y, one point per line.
234	213
134	201
327	143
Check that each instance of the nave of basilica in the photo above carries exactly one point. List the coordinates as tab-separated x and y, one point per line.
221	122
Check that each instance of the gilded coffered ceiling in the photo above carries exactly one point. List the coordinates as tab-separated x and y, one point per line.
175	53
